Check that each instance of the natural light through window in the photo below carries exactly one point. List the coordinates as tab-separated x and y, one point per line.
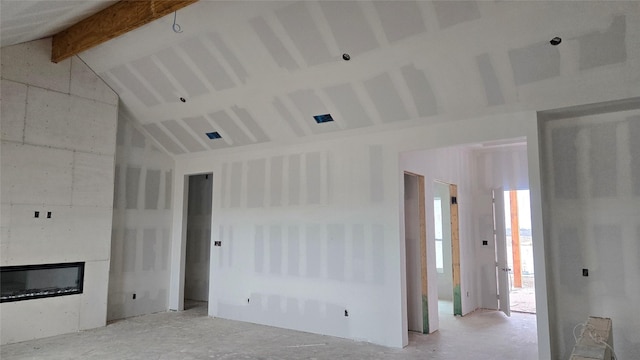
437	214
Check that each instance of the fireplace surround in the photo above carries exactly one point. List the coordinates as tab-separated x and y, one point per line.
39	281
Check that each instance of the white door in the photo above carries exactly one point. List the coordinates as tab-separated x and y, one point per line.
502	267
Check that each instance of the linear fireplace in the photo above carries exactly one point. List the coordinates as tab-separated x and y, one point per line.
39	281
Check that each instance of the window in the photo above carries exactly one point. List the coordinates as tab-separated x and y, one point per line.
437	217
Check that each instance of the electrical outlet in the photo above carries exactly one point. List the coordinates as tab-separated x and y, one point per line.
134	296
48	214
36	214
248	300
585	272
346	313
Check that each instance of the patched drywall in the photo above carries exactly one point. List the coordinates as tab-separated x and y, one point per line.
58	143
591	182
271	67
140	246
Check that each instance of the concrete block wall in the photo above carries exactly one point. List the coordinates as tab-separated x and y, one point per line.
58	126
142	207
592	211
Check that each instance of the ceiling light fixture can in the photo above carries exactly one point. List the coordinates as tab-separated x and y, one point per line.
183	100
555	41
346	57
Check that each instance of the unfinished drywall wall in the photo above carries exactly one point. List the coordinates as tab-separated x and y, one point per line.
450	165
321	235
58	143
592	197
500	165
286	261
196	284
139	272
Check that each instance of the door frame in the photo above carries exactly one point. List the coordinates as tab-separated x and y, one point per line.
455	249
500	240
455	245
423	250
179	241
189	222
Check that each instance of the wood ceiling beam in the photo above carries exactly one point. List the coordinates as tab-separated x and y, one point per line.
109	23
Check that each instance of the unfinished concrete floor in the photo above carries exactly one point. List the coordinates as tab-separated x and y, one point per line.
523	300
193	335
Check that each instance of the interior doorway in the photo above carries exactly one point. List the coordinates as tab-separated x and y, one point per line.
416	253
198	243
476	169
447	247
519	245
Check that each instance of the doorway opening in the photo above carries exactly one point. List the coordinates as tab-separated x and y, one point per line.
477	169
447	247
416	253
198	243
519	243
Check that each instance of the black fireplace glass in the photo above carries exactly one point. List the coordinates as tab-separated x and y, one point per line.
39	281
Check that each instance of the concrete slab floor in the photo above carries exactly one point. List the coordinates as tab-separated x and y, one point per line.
523	300
192	335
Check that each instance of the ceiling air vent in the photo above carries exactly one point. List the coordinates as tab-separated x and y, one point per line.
214	135
323	118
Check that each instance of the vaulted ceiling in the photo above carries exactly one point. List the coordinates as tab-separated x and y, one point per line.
258	72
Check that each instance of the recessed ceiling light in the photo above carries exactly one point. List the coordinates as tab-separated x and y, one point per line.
555	41
323	118
183	99
214	135
346	57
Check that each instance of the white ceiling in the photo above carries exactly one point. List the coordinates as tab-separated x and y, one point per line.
26	20
257	72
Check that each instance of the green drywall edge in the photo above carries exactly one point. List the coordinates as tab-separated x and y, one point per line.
457	301
425	314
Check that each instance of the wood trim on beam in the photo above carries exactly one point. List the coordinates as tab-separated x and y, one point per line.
109	23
